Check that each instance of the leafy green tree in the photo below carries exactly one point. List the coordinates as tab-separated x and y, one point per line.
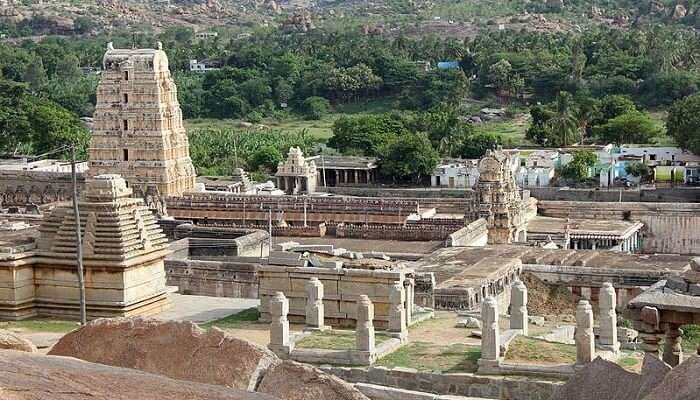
255	91
266	157
683	123
409	158
475	146
366	134
631	127
35	75
578	169
615	105
68	68
315	107
639	170
563	123
539	131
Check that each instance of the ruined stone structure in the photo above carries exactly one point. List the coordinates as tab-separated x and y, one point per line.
297	175
585	338
138	130
123	257
499	200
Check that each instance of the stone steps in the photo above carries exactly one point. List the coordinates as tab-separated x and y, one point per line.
377	392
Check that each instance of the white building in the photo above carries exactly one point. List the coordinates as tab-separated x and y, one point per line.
203	66
537	168
458	174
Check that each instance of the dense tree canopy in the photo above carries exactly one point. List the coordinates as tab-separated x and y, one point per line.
683	123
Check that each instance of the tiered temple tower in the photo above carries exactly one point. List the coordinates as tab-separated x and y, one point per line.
499	199
124	249
138	131
296	175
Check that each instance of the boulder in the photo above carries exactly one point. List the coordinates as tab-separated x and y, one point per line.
12	341
681	383
290	380
176	349
470	322
25	376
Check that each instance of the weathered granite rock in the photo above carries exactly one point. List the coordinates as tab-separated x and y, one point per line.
681	383
290	380
470	322
604	380
12	341
599	380
176	349
25	376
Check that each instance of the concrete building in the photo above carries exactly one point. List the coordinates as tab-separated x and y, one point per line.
138	131
458	174
123	258
297	175
202	66
537	168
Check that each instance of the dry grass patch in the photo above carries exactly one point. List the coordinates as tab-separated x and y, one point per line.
335	340
526	349
430	357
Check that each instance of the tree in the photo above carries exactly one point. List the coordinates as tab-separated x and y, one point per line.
539	131
563	123
266	157
36	75
366	134
256	91
68	68
475	146
578	169
409	158
315	107
639	170
631	127
615	105
683	123
501	76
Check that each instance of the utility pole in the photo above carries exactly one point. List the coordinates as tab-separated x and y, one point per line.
78	237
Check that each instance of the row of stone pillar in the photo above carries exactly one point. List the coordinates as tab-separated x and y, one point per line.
584	336
400	311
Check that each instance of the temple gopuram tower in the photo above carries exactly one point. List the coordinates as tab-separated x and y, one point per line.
138	131
499	201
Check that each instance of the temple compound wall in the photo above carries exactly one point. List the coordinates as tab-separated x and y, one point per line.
342	289
20	188
669	228
138	131
123	258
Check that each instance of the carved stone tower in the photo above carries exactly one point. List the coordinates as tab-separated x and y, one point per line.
499	199
138	131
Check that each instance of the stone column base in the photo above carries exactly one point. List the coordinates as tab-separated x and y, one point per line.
489	367
281	351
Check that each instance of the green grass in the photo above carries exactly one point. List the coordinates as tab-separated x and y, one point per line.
335	340
430	357
512	132
240	320
40	325
536	350
691	338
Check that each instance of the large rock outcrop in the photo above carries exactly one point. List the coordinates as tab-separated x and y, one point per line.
12	341
181	350
604	380
176	349
682	383
294	381
25	376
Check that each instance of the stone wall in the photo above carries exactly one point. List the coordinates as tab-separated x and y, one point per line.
461	384
474	234
18	188
682	194
342	287
669	228
408	232
214	278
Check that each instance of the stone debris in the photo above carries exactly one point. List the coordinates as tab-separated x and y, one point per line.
536	320
681	383
25	376
12	341
181	350
470	322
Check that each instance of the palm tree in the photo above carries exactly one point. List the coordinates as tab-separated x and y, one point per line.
563	123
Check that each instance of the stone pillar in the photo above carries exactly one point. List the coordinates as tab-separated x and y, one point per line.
364	335
518	306
490	337
397	310
585	338
357	176
607	301
337	177
586	292
648	330
369	180
314	304
673	352
410	284
279	326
